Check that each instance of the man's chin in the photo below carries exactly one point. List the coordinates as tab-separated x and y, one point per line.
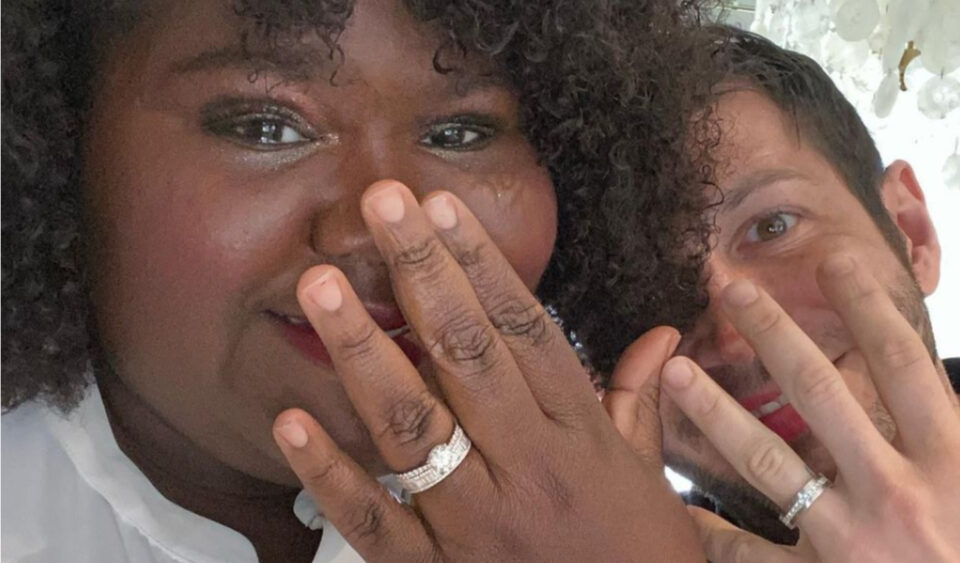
736	500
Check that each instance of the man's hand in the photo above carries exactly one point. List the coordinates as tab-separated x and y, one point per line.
548	479
889	502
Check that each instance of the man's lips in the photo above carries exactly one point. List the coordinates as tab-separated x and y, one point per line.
300	333
773	411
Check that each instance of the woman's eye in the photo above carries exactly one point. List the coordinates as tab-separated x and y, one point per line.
771	227
456	136
261	132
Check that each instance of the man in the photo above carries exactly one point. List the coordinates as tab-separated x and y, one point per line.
803	195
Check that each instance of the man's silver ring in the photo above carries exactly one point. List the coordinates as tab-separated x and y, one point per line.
804	498
441	462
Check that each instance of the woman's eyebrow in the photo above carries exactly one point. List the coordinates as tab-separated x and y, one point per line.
289	63
464	84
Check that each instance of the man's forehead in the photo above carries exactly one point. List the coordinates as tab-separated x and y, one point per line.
748	112
756	133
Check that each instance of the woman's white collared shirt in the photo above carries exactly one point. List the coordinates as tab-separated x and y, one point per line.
70	495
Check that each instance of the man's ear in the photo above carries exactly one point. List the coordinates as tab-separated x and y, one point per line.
903	198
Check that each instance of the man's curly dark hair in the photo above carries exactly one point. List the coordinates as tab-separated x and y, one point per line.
610	92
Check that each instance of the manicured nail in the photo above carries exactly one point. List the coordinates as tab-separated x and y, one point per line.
293	433
388	204
325	293
441	212
838	265
740	293
678	374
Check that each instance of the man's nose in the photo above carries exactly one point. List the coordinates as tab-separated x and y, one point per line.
720	342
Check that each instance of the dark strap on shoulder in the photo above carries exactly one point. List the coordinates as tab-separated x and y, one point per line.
953	372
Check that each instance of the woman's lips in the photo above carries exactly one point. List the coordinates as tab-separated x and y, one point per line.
300	334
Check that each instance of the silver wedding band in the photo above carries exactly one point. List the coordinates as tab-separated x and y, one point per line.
441	462
804	498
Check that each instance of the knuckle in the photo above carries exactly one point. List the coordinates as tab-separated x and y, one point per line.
465	340
432	555
471	259
901	353
558	493
358	342
903	502
862	295
907	508
819	385
902	497
410	420
365	521
763	320
487	276
740	551
529	322
707	405
766	461
423	258
324	472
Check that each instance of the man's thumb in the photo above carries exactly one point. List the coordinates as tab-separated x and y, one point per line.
633	397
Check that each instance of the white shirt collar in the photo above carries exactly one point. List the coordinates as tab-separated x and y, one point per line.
86	436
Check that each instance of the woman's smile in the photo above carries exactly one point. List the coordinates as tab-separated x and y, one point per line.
301	335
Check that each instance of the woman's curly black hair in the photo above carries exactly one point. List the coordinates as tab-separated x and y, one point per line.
612	95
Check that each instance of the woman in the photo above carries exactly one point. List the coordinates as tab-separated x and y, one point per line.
174	168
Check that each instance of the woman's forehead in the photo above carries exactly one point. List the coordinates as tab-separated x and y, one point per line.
377	38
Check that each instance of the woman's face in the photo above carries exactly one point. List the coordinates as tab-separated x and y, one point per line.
217	174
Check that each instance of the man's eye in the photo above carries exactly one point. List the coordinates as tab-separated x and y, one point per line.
456	136
770	227
261	132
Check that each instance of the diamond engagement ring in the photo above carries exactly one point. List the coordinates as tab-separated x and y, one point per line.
804	498
441	462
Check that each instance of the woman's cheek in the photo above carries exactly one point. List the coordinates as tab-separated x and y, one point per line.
519	211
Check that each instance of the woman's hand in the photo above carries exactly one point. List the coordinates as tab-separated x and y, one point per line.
889	502
548	478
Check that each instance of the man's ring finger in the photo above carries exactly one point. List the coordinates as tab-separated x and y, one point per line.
804	498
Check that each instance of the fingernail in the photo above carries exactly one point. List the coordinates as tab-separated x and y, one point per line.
293	433
388	204
678	374
838	265
740	293
325	293
673	343
441	212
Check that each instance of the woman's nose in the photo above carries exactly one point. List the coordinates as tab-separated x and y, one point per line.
338	228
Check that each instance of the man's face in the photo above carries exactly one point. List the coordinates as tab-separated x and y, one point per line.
785	208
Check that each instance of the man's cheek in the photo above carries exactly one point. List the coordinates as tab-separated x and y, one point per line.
685	446
681	438
856	374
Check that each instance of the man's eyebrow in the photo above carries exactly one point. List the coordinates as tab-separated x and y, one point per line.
736	194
